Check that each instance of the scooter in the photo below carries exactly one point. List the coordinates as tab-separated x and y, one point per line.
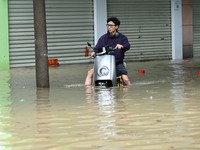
105	68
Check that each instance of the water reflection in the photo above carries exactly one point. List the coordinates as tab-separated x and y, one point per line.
178	85
106	102
42	109
43	119
5	109
110	102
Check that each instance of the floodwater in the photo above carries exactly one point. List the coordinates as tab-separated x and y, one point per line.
160	110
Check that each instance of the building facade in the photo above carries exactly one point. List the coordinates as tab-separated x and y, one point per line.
156	29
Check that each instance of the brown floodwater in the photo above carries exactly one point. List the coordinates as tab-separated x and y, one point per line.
160	110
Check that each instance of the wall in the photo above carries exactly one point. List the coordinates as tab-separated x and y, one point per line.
187	28
4	46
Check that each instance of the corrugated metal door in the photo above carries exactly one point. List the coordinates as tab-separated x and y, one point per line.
147	24
196	28
69	27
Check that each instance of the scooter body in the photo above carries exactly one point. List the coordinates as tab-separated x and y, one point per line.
104	69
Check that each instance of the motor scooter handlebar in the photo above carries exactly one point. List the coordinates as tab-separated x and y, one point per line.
110	50
103	50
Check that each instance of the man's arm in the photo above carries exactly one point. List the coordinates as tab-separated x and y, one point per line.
126	44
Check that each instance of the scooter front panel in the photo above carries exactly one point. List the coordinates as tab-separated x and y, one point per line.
105	69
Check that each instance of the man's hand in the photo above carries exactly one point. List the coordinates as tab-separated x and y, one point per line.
92	54
119	46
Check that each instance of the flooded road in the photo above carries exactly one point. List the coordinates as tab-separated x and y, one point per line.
160	110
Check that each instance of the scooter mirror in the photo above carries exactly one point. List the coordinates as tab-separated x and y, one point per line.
88	44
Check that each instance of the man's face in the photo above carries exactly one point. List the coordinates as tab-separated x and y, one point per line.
112	27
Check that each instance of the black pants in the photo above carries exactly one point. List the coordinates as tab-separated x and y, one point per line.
121	70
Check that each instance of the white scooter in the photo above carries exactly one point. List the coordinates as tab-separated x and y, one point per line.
105	68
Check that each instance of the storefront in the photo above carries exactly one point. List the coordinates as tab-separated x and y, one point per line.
69	27
147	25
72	23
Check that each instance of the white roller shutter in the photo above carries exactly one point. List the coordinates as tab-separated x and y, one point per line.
196	28
69	27
147	24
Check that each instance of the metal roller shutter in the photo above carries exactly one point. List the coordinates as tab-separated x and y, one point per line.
147	24
196	28
69	27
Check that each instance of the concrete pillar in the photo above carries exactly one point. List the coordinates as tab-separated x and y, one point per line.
100	17
176	19
41	53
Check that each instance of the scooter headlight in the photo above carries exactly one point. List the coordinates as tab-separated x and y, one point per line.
103	71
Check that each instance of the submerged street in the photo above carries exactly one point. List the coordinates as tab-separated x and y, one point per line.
160	110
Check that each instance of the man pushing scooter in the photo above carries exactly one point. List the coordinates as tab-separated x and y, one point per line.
119	42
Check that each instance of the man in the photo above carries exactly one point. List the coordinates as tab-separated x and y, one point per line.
117	40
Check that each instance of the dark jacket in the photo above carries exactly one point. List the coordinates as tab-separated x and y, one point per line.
107	40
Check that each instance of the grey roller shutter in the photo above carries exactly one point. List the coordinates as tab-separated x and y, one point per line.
147	24
21	33
69	27
196	28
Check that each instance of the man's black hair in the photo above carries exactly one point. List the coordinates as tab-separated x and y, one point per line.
115	20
